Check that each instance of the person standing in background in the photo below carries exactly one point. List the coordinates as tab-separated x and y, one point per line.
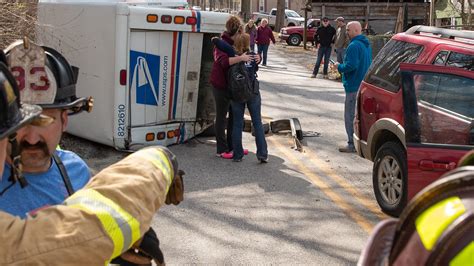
264	35
356	63
323	39
342	40
251	30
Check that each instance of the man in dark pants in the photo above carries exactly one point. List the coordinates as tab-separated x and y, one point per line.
323	38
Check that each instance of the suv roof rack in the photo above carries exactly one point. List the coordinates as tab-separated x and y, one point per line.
443	33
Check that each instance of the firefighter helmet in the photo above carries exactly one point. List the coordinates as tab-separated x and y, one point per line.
437	226
12	115
59	91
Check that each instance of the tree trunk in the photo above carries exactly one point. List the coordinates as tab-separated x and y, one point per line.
469	14
280	15
245	9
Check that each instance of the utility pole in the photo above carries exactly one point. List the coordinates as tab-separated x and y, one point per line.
432	13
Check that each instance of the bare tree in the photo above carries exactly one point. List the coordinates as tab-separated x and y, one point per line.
18	19
245	9
280	15
469	14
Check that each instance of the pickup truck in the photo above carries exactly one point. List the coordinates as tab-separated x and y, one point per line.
291	18
294	35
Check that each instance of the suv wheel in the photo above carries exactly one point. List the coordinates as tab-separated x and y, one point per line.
294	40
389	177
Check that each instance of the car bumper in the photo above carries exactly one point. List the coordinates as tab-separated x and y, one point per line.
283	37
360	146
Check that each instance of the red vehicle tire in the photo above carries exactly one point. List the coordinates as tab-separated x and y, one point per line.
389	177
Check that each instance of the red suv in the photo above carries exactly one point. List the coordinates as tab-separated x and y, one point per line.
416	123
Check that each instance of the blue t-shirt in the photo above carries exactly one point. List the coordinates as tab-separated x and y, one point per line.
43	189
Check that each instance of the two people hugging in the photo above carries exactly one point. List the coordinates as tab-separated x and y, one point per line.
234	47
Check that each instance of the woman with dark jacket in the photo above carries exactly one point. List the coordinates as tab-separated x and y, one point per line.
264	35
219	83
254	105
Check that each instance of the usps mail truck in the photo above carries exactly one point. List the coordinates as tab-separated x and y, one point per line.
147	67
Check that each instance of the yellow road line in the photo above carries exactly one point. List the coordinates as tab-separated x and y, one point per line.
323	166
324	187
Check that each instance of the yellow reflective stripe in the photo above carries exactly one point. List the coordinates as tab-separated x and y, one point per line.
122	228
465	257
432	222
108	223
161	161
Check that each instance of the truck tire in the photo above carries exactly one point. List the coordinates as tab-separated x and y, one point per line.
291	24
389	177
294	40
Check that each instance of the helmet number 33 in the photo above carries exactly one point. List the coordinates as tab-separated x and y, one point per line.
35	80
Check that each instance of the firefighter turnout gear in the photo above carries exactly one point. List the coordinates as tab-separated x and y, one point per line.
436	228
98	222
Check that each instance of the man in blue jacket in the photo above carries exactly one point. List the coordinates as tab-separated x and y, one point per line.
356	63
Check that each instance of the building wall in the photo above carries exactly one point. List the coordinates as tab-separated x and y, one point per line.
381	17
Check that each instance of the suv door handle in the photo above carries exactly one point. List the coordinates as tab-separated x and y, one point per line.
428	165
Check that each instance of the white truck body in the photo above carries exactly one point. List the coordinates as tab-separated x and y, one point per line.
146	77
291	18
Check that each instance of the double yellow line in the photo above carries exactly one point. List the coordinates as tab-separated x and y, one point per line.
363	222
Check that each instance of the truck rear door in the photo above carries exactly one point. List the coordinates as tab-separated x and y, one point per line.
163	77
159	62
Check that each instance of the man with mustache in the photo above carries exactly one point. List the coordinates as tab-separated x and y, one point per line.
52	174
98	222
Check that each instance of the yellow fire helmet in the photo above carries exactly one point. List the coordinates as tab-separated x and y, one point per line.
436	228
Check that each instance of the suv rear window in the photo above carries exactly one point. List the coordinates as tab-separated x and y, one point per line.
454	59
384	71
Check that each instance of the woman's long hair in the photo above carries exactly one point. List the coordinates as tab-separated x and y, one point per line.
242	43
248	28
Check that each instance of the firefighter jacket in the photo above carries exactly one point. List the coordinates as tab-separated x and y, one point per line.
95	224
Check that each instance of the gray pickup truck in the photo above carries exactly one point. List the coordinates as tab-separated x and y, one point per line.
291	18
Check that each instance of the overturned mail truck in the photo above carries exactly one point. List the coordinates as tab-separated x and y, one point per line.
146	66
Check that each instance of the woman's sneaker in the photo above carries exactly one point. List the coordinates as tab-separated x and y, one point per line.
237	160
263	160
227	155
246	151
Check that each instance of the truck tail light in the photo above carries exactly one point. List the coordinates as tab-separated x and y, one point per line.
123	77
191	21
152	18
150	137
166	19
170	134
178	20
160	135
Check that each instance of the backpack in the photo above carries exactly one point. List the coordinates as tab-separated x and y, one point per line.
239	82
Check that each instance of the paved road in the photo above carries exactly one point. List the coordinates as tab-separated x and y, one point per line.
314	207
